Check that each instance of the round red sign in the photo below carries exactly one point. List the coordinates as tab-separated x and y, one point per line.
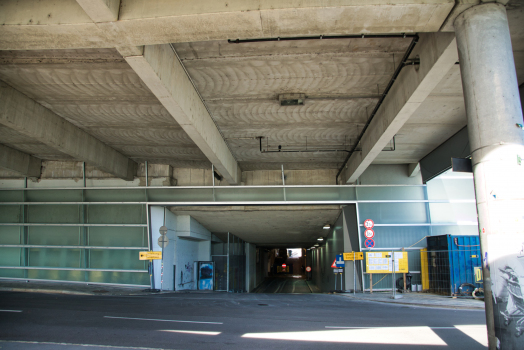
369	223
308	269
284	266
369	233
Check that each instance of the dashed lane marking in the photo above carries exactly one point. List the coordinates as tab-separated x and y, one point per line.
160	320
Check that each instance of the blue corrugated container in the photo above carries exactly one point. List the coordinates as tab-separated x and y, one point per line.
451	264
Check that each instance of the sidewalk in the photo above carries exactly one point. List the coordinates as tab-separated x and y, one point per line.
420	299
71	288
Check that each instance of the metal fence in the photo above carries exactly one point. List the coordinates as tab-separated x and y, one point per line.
444	272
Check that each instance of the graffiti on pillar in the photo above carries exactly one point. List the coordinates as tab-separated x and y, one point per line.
506	262
186	275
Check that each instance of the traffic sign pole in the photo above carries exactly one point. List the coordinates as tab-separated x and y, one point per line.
354	276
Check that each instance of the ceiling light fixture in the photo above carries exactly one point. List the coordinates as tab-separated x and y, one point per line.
320	239
327	227
291	99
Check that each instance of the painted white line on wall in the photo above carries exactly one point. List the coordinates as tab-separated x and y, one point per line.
10	310
160	320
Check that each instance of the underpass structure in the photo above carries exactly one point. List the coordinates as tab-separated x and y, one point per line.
248	126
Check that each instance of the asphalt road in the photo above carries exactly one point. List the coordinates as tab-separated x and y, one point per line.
229	321
283	285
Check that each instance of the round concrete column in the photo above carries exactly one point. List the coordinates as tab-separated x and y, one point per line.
493	110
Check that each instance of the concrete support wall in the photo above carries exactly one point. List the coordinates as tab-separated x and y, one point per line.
389	174
322	258
251	267
163	217
352	274
493	109
24	115
292	177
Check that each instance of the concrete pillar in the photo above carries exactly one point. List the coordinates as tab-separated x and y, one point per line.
493	109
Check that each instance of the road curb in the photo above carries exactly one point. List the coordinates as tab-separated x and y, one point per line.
416	304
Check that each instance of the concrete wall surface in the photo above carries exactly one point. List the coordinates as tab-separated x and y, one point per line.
389	174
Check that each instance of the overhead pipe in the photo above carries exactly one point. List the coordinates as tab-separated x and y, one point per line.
404	62
353	36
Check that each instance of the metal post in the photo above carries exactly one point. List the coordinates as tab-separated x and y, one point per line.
354	274
147	173
336	282
162	262
284	184
393	262
228	261
494	113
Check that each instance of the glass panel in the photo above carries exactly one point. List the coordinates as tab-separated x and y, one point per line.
117	237
10	234
117	214
462	213
220	282
391	193
338	193
53	195
12	196
10	256
12	273
53	214
139	278
61	275
116	259
248	194
448	186
116	195
393	213
180	194
51	235
50	257
10	213
398	236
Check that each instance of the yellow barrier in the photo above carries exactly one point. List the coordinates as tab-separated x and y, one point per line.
424	268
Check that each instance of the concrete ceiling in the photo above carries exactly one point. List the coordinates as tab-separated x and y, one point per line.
286	227
92	86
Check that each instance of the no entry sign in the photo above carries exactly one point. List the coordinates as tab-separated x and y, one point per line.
369	223
308	269
284	266
369	243
369	233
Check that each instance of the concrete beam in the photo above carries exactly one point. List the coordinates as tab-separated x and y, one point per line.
101	10
163	73
437	53
413	169
63	24
20	162
29	118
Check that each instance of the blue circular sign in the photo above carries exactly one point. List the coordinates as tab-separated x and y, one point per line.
369	243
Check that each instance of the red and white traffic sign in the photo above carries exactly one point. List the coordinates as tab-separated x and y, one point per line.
308	269
369	233
334	265
369	223
284	266
369	243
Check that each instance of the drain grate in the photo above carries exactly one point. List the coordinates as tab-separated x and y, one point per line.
263	304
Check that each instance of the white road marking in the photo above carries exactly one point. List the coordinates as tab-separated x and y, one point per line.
190	332
160	320
388	335
10	310
335	327
79	345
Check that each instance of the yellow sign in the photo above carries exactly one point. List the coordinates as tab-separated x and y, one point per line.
478	275
382	262
353	256
150	255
